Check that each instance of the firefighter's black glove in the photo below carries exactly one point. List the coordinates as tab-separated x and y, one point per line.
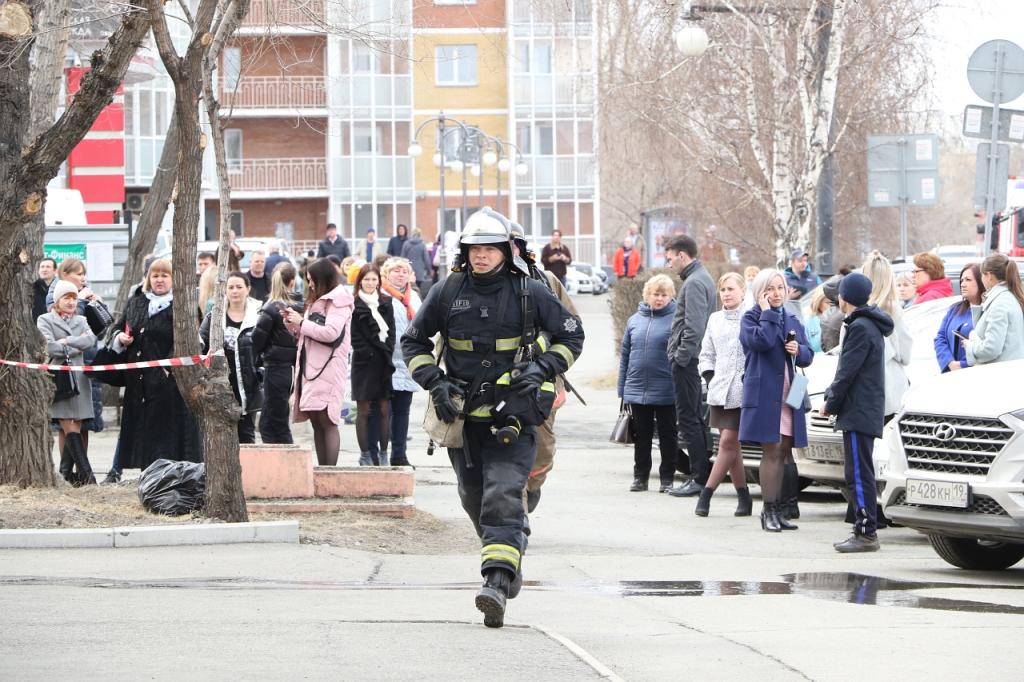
530	377
444	407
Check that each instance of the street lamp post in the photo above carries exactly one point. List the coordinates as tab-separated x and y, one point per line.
692	41
416	149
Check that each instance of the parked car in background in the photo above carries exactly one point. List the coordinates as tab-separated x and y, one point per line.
598	278
955	465
577	281
609	275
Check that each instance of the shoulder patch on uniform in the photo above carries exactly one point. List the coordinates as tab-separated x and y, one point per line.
412	332
460	304
570	324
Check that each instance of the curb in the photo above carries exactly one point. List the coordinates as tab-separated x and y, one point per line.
150	536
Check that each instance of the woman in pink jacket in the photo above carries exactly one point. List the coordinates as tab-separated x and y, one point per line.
323	339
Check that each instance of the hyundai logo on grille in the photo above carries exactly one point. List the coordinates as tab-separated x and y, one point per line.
944	432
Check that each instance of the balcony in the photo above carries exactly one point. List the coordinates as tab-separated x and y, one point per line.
289	93
279	175
306	14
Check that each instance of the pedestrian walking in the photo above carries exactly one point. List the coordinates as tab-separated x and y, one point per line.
626	261
645	382
68	336
998	333
694	305
240	316
397	240
155	422
721	365
415	251
373	344
555	257
956	326
544	461
774	345
275	349
930	281
488	316
332	244
857	399
321	368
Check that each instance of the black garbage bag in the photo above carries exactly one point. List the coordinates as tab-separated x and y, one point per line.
172	488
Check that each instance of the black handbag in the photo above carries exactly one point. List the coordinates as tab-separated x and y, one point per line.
624	432
98	317
65	384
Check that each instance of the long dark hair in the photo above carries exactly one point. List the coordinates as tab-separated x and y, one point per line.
323	278
965	305
1005	270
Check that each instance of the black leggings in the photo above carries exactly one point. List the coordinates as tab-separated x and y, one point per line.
326	438
364	434
773	461
643	420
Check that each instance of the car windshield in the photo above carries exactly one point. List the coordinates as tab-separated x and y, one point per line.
582	267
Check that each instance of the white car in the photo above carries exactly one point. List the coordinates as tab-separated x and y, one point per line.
955	465
577	282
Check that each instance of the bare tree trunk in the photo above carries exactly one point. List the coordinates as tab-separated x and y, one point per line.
25	457
157	201
207	392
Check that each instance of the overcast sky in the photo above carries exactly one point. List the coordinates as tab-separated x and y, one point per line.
958	28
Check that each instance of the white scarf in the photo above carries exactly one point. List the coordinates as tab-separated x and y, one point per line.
158	303
372	302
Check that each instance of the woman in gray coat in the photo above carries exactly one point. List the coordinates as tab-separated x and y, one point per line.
67	336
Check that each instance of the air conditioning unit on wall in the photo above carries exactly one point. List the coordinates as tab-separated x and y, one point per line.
135	202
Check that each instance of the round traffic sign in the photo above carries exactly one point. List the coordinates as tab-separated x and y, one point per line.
997	67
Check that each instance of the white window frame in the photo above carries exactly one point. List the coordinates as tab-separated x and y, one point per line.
360	51
240	230
370	130
234	164
440	58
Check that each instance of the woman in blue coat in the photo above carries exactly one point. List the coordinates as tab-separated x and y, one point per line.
645	381
765	418
949	347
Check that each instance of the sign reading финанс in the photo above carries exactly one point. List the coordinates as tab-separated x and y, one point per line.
61	252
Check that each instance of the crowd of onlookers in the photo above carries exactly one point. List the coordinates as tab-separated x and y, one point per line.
312	343
689	361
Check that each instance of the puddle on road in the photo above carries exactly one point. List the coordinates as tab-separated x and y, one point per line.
847	588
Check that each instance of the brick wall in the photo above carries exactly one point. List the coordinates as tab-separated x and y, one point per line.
294	56
481	14
258	217
270	138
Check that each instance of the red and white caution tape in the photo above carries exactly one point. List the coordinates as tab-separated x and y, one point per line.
172	362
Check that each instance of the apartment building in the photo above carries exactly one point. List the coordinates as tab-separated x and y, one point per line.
321	101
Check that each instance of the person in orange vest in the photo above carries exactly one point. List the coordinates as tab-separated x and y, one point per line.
627	260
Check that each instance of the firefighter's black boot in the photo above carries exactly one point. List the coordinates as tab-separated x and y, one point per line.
490	600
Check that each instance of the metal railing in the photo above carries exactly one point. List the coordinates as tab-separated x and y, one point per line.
278	174
275	92
284	12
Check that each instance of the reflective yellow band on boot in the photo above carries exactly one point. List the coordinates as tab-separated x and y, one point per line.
504	553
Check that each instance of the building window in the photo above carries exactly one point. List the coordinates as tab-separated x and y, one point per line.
456	64
535	58
546	218
545	139
232	63
362	59
365	139
233	149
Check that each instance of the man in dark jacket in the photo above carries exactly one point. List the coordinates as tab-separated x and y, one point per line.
799	277
415	251
694	305
332	245
857	398
831	319
41	287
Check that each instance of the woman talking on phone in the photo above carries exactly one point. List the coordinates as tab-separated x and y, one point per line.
774	344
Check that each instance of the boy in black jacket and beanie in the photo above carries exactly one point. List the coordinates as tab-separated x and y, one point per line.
857	399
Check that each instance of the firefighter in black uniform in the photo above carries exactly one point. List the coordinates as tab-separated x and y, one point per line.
489	313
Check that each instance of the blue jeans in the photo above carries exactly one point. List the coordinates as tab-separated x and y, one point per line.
401	401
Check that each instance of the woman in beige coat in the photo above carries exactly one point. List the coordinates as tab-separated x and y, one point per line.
67	336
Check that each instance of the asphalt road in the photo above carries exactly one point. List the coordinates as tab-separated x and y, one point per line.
620	585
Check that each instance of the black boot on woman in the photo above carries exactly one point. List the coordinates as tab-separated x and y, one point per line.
67	464
704	502
83	475
769	518
744	505
639	485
